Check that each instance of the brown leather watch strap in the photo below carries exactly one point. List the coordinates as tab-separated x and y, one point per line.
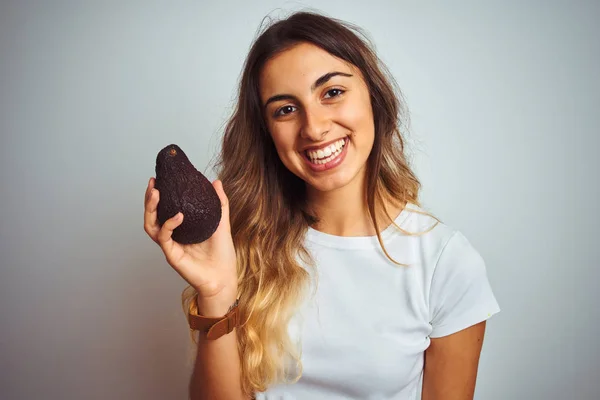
214	328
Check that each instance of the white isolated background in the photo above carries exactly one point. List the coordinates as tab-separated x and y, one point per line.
505	103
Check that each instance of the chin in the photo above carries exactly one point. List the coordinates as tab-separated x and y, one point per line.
330	183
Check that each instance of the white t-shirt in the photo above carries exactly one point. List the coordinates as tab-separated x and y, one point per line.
365	330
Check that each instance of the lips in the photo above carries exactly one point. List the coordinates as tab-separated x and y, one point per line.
344	141
321	147
331	163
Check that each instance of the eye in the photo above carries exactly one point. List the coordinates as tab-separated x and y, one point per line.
333	93
285	110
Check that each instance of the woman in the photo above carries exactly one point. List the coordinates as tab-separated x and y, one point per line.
346	287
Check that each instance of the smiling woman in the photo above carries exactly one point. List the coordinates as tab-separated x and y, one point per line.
345	287
313	97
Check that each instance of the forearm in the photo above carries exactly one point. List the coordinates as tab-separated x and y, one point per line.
217	370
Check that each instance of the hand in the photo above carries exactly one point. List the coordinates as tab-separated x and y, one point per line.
210	267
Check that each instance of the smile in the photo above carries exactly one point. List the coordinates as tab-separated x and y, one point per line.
326	154
328	157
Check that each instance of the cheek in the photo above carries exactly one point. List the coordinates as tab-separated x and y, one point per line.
283	136
358	117
284	144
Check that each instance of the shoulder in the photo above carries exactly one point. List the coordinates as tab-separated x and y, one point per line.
425	231
456	289
440	248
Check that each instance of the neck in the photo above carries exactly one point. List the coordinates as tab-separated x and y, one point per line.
344	211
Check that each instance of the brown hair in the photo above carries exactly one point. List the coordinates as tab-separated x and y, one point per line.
269	215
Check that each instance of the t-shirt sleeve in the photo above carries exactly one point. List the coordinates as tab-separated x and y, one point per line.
460	295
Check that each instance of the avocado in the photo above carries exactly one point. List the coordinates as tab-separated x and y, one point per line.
183	188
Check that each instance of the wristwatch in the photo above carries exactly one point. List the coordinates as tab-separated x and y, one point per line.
214	328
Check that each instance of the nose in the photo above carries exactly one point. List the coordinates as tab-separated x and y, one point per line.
315	125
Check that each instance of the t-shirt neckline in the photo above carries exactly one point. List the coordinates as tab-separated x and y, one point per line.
358	242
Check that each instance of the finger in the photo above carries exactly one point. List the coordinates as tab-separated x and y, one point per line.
218	185
148	190
151	225
165	233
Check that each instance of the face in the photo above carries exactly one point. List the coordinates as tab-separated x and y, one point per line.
318	111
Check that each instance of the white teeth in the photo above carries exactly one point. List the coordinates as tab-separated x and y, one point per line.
325	154
330	152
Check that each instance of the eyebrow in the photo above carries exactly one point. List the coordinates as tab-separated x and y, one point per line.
319	82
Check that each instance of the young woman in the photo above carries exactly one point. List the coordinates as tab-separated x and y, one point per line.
345	287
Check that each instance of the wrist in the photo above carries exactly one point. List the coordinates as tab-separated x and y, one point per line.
215	307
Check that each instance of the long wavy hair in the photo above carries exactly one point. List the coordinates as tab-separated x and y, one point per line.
268	210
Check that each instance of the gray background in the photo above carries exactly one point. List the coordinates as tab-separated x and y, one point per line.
505	108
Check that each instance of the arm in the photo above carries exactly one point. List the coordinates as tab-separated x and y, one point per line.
208	265
451	364
217	370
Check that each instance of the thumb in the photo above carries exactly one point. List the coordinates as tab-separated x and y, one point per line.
218	186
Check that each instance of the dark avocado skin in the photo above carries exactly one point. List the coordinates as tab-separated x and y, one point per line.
183	188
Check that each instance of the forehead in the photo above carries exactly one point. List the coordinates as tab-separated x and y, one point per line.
297	68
